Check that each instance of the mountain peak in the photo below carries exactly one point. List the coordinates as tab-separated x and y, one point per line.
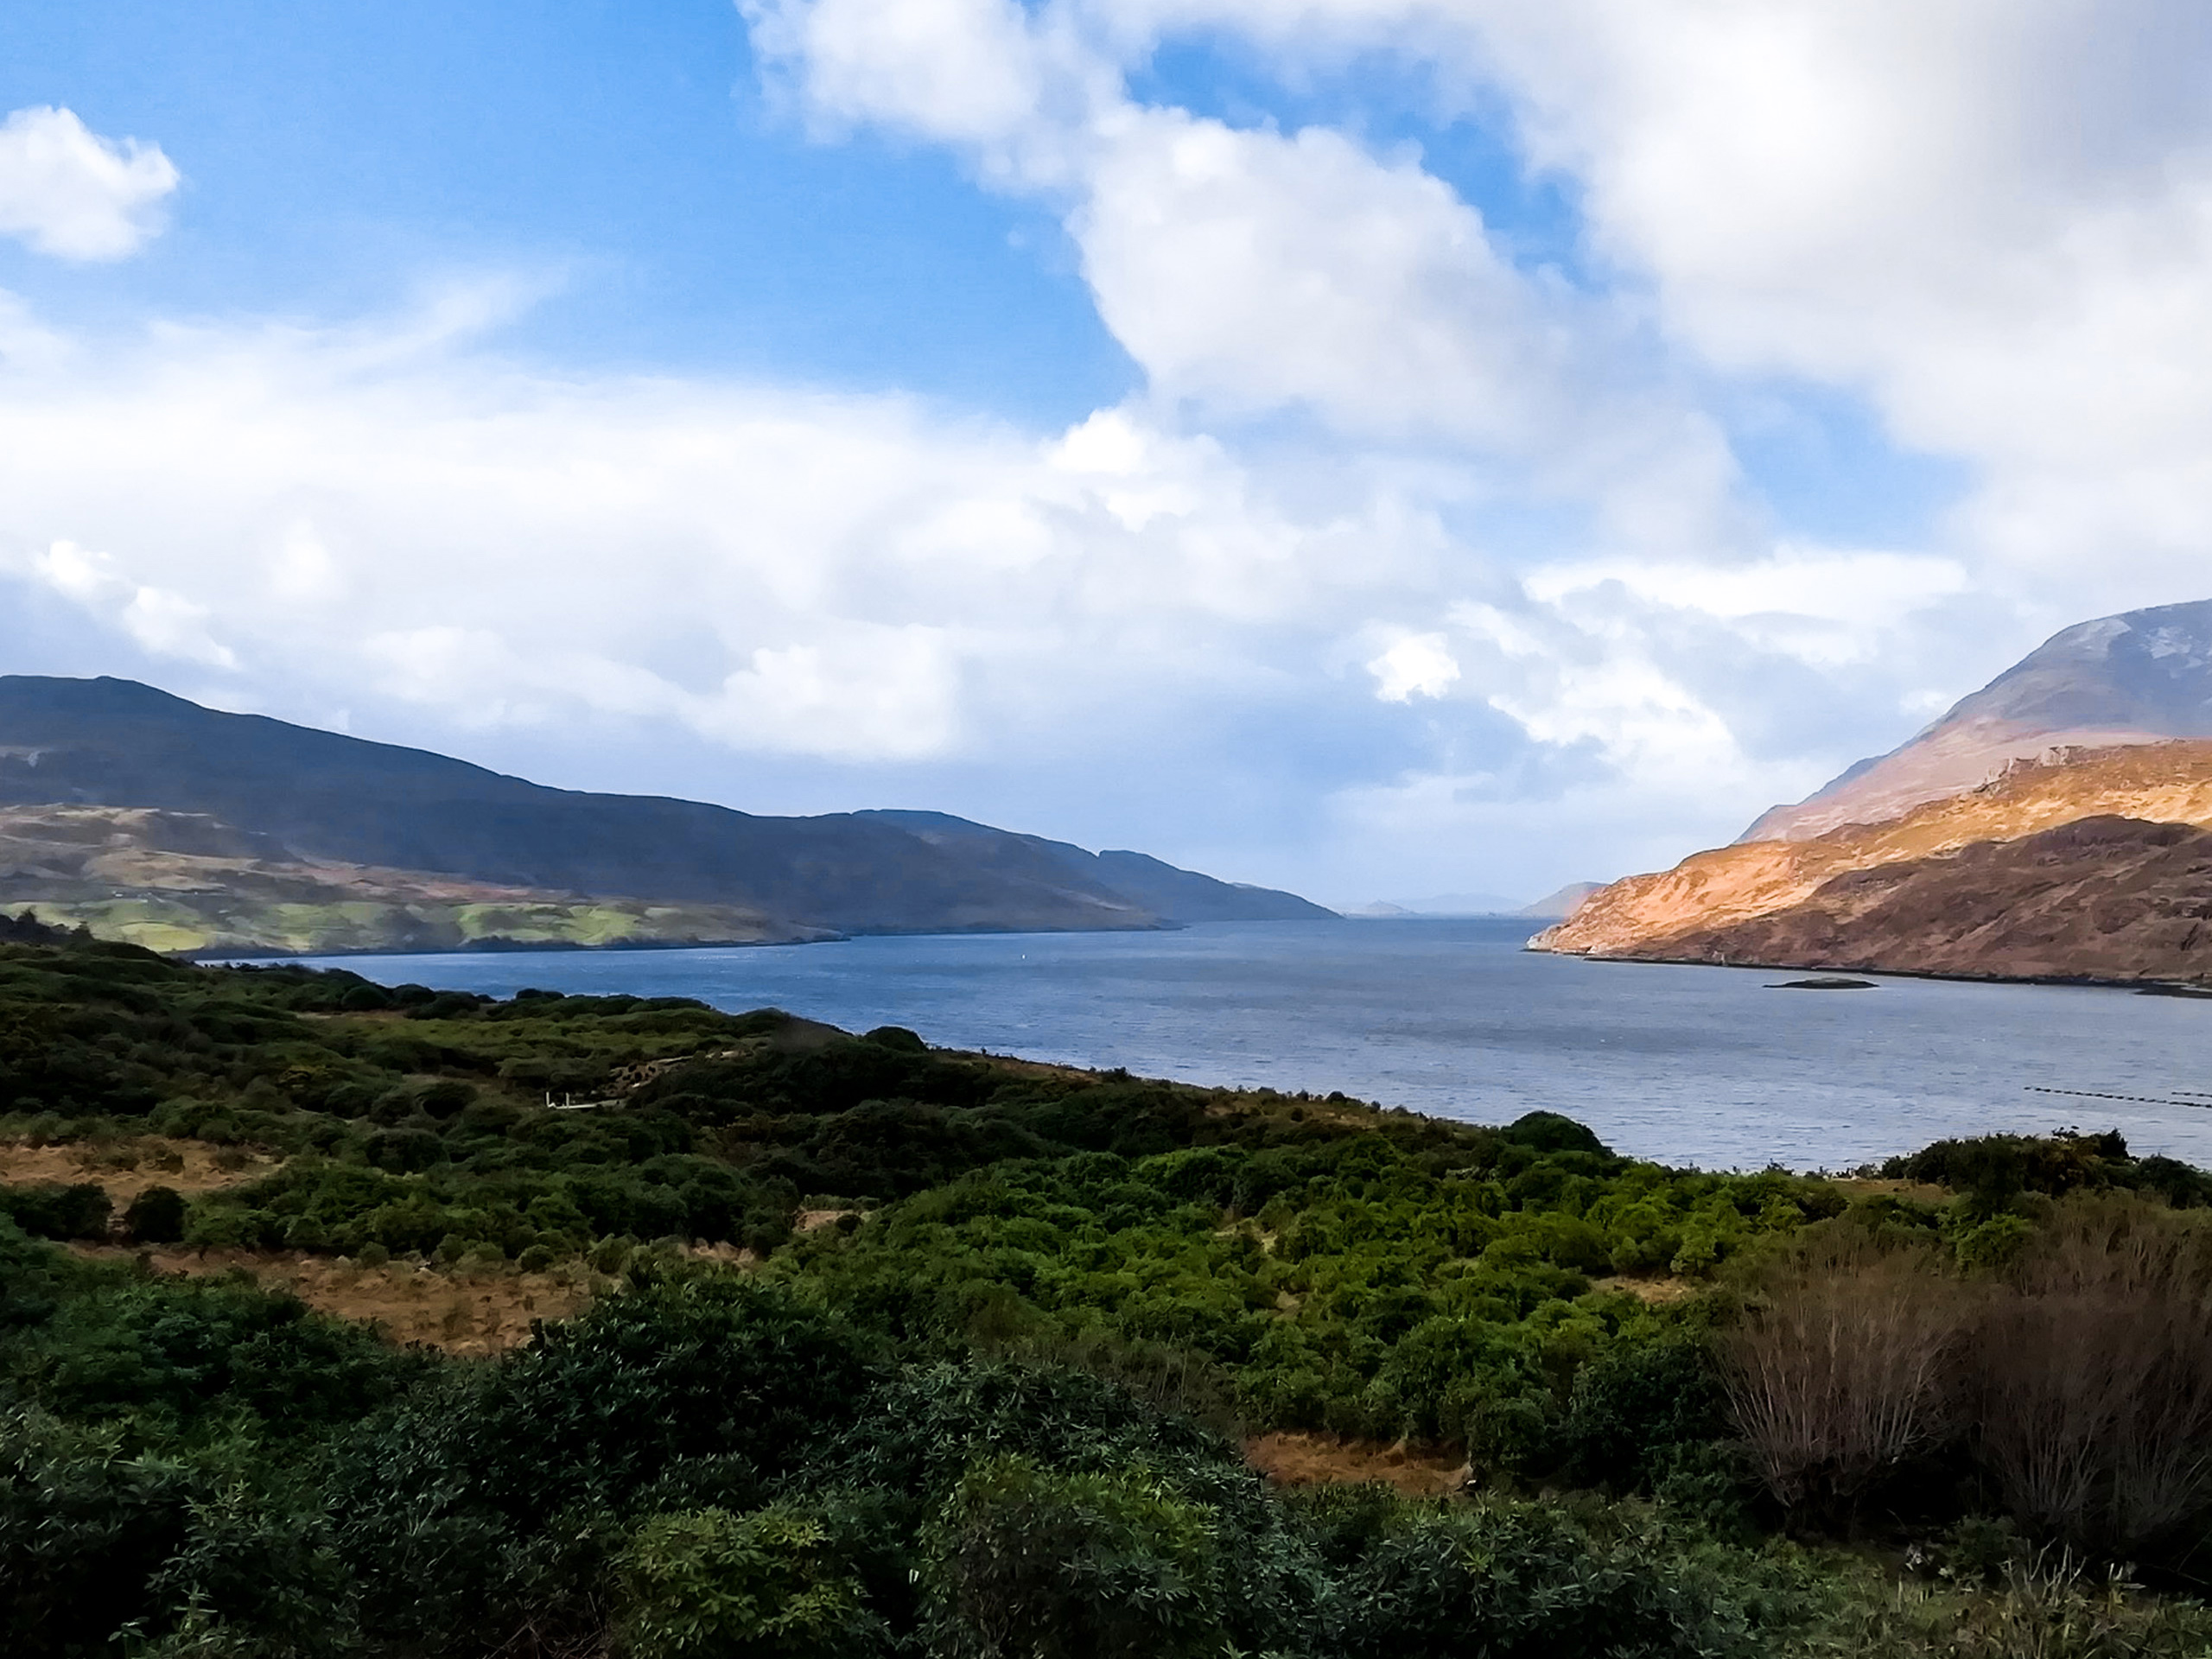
2141	677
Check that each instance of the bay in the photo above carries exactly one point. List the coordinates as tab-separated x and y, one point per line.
1709	1066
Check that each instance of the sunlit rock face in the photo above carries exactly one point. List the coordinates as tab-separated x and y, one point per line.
2091	864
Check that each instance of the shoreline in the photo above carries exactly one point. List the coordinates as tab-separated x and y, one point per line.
2184	989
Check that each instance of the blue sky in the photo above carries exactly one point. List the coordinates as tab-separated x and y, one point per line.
1374	445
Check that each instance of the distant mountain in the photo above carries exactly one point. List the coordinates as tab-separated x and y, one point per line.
325	804
1180	895
2139	677
1558	907
1550	907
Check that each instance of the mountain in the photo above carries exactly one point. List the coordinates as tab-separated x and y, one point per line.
322	802
1558	907
187	883
1183	895
2139	678
2087	864
1485	906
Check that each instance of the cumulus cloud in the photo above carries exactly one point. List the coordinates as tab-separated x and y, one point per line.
161	622
1455	541
1414	665
846	577
68	191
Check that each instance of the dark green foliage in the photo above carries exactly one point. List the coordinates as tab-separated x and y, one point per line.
490	1496
1378	1290
705	1583
984	1411
1637	1409
83	1533
1995	1170
188	1352
51	1211
1529	1581
155	1217
1108	1566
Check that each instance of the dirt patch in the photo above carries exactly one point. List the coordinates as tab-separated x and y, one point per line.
1860	1186
734	1255
1655	1292
123	1169
1314	1459
472	1314
809	1219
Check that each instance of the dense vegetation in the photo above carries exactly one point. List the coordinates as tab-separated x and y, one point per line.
990	1402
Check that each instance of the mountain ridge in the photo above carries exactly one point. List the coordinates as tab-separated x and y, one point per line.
2137	677
331	799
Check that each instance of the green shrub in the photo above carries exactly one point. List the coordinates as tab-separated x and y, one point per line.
49	1210
709	1585
156	1216
82	1530
1110	1566
1529	1581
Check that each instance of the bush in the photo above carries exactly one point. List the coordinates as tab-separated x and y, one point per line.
155	1217
1528	1581
1119	1566
2093	1385
1635	1407
1844	1369
82	1533
49	1210
709	1585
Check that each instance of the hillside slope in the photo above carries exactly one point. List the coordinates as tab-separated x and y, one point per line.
1157	885
2101	897
1984	882
324	799
2143	676
185	883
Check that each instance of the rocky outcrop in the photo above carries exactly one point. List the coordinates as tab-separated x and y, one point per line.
2101	899
2090	864
2143	676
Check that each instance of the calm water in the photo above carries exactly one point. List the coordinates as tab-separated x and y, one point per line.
1704	1066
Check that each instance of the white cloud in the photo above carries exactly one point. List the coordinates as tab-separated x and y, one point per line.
1991	226
1992	223
68	191
1414	665
783	572
161	622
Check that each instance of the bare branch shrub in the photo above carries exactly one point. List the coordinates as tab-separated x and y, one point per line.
1844	1367
2094	1377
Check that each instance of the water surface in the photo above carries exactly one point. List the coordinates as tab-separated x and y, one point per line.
1700	1065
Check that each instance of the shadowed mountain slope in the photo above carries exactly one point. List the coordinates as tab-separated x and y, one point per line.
1161	887
320	797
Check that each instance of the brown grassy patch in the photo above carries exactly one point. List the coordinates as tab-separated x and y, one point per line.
1868	1186
123	1169
1655	1292
1314	1459
472	1314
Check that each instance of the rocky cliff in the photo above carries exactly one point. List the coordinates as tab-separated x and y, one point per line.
2088	863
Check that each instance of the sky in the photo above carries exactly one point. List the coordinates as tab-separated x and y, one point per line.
1378	447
